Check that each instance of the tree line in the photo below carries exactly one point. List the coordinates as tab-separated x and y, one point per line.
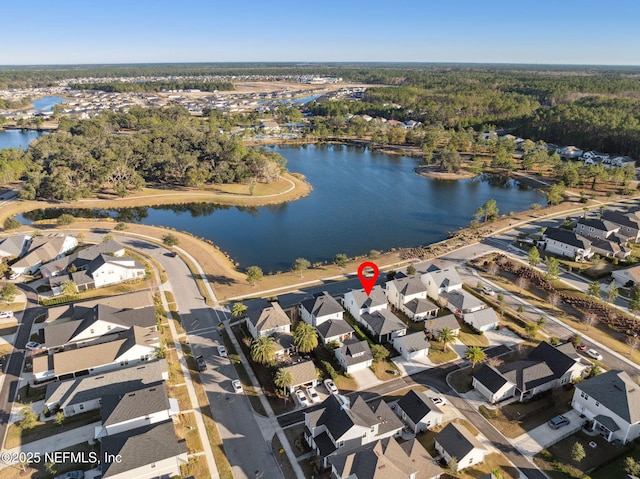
155	86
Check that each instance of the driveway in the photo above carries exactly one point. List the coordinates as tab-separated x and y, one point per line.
365	378
543	436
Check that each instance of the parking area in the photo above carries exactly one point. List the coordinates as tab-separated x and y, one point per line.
543	436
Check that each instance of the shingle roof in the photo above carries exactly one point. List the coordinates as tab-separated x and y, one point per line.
567	237
322	305
417	405
134	300
140	447
333	328
356	352
383	322
490	378
117	408
303	372
414	341
420	305
409	285
376	298
457	440
462	300
445	278
483	317
433	325
620	219
607	422
599	224
13	245
81	258
616	391
270	317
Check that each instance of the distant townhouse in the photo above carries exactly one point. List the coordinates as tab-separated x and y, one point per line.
85	393
570	153
604	238
14	246
455	440
42	250
566	243
418	411
612	401
386	459
338	426
147	452
412	346
403	289
383	325
628	223
320	308
354	355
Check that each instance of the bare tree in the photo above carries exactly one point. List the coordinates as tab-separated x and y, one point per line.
521	283
590	319
492	269
554	299
494	362
633	342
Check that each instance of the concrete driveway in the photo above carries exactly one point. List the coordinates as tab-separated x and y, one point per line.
544	435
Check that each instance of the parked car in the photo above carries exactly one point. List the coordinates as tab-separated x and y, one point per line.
200	362
71	475
582	347
594	354
488	290
14	276
172	254
558	422
32	346
237	386
222	351
6	314
313	394
331	386
302	399
439	401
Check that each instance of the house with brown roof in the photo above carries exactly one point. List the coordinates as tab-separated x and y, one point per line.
267	321
304	374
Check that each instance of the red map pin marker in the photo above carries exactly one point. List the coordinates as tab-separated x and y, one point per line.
368	282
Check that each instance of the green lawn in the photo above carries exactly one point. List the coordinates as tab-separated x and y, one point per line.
461	380
438	356
616	468
472	338
17	436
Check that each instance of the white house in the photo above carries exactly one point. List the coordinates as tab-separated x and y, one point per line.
383	325
412	346
42	250
456	441
433	326
320	308
357	302
628	277
79	259
335	330
354	355
438	281
419	309
482	320
629	225
566	243
612	401
106	270
403	289
492	384
460	302
418	411
14	246
267	321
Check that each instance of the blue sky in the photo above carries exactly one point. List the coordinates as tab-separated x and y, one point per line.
134	31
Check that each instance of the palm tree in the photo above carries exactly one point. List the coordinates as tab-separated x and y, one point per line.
283	379
305	337
263	350
475	354
238	310
445	336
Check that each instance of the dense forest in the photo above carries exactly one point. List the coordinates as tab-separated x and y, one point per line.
122	152
155	86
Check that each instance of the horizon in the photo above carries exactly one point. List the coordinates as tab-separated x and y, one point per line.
545	32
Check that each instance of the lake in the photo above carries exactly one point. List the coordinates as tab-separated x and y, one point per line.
17	138
361	200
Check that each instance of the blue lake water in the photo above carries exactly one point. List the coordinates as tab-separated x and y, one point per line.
46	103
361	200
17	138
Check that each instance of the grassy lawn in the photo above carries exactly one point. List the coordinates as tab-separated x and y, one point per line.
517	418
471	338
196	467
556	460
6	330
186	428
175	371
15	307
385	370
295	436
491	461
616	468
438	356
182	395
461	380
345	384
413	326
17	436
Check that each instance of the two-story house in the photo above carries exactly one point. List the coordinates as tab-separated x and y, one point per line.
604	237
267	321
320	308
403	289
383	325
354	355
566	243
357	302
629	224
438	281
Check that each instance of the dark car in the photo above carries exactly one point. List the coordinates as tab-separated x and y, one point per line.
202	365
558	421
172	254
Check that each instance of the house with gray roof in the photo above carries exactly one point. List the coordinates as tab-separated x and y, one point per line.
435	325
148	451
320	308
79	259
455	440
460	302
627	277
412	346
73	311
383	325
335	330
420	309
438	281
418	411
566	243
628	223
492	384
354	355
612	401
267	321
386	459
595	228
482	320
357	302
339	425
85	393
403	289
125	411
14	246
43	249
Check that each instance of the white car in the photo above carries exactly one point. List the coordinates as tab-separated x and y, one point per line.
222	351
14	276
32	346
302	399
237	386
594	354
6	314
313	394
331	386
488	290
439	401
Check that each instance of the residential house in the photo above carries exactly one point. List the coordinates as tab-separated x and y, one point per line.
546	367
107	270
85	393
134	409
461	303
482	320
628	223
147	452
79	260
354	355
14	246
267	321
489	135
335	330
403	289
304	374
570	153
320	308
132	346
386	459
412	346
612	401
566	243
434	326
357	302
439	281
383	325
419	309
42	250
73	311
338	426
627	277
418	411
596	228
95	325
455	440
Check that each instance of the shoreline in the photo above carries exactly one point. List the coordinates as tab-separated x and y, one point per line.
436	173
